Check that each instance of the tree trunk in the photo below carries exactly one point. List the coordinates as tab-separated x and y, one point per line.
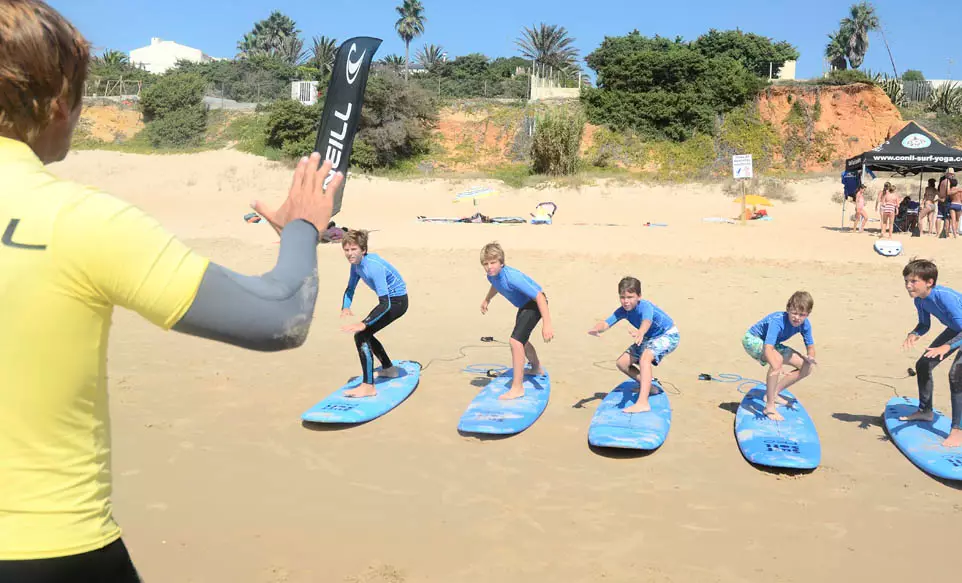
407	58
891	58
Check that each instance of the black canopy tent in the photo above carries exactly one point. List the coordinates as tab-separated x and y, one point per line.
912	150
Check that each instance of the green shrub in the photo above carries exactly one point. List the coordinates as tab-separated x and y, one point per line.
183	127
609	148
170	93
680	161
664	88
174	111
742	131
845	77
292	127
363	155
396	121
557	137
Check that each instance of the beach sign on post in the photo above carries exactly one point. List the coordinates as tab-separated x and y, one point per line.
742	168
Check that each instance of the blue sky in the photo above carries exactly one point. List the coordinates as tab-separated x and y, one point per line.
491	26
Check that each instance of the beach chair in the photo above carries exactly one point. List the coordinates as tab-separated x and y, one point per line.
543	213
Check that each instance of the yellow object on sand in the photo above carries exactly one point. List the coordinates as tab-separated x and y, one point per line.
755	200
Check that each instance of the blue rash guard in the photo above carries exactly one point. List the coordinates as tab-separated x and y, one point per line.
946	305
518	288
645	310
776	328
380	276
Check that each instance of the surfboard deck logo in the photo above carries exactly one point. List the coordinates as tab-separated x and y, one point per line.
342	107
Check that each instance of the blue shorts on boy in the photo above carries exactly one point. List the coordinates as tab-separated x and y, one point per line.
774	329
662	336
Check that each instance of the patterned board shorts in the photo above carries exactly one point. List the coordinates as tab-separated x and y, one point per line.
660	346
755	347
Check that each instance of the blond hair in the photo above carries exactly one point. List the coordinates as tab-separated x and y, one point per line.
358	238
801	301
492	251
43	59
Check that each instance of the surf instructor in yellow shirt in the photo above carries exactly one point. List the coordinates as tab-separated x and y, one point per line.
69	254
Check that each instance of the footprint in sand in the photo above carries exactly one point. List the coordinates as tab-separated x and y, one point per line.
378	574
838	531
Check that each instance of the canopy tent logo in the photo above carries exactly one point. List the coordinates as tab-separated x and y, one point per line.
916	141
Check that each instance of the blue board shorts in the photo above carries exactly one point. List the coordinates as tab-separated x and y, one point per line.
755	347
660	346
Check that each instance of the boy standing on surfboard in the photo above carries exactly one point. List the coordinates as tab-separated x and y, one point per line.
391	292
764	343
656	337
946	305
526	295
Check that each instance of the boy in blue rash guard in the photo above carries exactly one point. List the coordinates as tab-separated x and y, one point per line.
656	337
946	305
764	343
526	295
391	292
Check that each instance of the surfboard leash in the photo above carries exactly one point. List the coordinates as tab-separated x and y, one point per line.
488	340
910	373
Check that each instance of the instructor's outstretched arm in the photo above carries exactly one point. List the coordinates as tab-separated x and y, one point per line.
273	311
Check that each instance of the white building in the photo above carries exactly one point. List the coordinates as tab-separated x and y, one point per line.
161	55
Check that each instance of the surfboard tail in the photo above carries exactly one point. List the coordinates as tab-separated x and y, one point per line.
342	106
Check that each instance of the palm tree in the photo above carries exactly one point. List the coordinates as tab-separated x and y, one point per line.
855	28
272	37
113	58
430	56
548	45
394	62
836	51
323	54
409	27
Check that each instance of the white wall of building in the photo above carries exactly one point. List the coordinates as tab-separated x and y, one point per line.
161	55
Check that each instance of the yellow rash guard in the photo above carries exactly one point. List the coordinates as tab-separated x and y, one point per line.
68	255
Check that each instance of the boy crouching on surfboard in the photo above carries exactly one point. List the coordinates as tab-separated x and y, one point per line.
392	296
763	342
946	305
526	295
656	336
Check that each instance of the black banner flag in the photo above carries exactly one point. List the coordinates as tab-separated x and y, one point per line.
342	106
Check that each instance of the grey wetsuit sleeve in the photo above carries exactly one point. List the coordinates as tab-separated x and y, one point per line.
271	312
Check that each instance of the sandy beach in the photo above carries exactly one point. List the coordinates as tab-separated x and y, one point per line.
216	479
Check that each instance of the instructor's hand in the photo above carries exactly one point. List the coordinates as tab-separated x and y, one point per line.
307	199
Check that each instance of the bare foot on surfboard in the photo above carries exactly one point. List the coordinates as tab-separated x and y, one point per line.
918	416
638	408
780	400
954	439
513	393
773	415
362	390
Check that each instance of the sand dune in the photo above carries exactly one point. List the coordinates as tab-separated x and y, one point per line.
217	480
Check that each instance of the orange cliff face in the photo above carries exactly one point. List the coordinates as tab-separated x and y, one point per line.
854	118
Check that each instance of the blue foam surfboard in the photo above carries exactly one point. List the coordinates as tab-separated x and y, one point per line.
337	408
489	415
792	443
611	427
921	441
